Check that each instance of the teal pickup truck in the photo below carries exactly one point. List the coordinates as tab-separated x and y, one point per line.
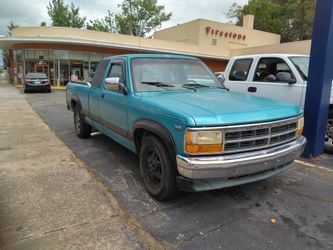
190	132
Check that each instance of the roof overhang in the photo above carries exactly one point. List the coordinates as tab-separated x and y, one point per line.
11	42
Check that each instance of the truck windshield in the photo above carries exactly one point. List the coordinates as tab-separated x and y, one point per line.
167	74
302	65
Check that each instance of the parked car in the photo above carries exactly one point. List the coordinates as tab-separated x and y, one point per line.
36	81
278	76
189	131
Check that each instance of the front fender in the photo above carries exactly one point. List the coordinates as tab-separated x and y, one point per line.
155	128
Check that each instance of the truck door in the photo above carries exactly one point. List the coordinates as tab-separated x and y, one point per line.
96	91
113	102
270	80
237	79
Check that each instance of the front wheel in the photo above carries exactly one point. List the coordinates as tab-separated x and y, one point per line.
82	129
157	170
328	145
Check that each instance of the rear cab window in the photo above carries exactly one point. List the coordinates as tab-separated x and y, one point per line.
240	69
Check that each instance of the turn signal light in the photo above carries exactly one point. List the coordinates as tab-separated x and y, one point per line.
300	126
203	148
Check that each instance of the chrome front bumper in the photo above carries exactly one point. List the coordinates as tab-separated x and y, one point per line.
241	164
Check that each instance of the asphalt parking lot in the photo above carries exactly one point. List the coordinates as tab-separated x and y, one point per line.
300	200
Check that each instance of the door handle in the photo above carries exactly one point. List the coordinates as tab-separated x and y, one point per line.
102	95
252	89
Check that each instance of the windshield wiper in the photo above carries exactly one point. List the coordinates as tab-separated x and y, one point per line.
159	84
194	85
198	85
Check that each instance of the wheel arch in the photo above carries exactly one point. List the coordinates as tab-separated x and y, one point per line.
143	127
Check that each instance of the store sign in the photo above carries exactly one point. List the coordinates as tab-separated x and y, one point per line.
225	34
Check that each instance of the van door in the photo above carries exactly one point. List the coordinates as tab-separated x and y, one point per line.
274	78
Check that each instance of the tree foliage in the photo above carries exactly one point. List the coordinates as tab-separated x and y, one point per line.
291	18
10	27
106	24
64	15
137	17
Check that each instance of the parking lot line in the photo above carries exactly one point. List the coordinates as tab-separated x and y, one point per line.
314	166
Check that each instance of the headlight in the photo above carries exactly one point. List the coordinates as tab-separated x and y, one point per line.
300	126
203	141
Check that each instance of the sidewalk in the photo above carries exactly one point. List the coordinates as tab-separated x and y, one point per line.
48	200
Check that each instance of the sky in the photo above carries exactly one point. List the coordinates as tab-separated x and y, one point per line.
33	12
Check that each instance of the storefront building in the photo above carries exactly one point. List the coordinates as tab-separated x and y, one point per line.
65	54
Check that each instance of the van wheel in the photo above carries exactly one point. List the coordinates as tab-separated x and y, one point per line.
328	144
157	170
82	129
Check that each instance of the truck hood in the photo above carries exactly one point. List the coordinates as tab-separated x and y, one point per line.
211	107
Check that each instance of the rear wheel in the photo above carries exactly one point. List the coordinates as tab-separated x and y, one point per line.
328	145
82	129
157	170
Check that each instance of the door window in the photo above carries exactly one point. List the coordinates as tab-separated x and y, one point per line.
116	71
240	69
268	69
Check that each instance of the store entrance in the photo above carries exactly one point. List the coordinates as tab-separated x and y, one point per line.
42	68
76	70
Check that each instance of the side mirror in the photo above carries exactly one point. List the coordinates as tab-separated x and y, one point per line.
112	80
113	84
221	78
285	77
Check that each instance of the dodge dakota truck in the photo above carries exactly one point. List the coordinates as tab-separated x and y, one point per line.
278	76
190	132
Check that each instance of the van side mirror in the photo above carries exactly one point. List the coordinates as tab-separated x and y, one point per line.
285	77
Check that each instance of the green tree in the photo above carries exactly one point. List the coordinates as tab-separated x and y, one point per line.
10	27
137	17
106	24
64	15
43	23
292	19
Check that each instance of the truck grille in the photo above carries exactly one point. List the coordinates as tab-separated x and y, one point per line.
253	137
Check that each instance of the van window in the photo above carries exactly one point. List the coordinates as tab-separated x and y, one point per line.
240	69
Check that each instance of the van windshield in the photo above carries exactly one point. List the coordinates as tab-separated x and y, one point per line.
167	74
302	65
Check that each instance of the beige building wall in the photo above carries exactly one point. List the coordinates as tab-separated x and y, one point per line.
215	35
185	33
299	47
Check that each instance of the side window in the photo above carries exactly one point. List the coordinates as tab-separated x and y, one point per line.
116	71
240	69
99	74
272	70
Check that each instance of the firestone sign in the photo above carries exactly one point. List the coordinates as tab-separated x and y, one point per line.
226	34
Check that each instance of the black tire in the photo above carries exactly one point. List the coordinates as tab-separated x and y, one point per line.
157	170
82	129
328	144
26	91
